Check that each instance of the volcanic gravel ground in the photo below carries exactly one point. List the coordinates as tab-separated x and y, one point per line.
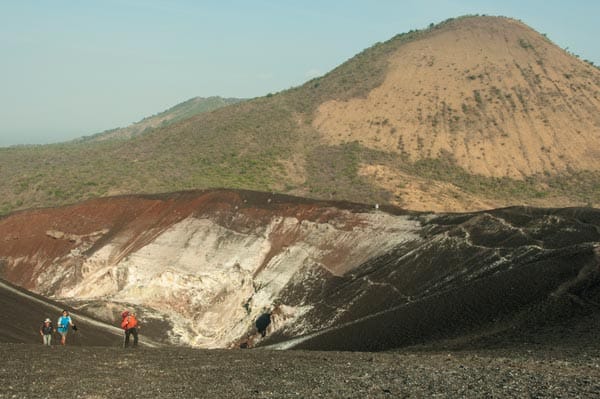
31	371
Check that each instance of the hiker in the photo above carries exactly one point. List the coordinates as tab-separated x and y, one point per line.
46	332
130	324
63	324
262	323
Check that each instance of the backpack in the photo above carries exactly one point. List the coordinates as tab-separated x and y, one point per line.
129	322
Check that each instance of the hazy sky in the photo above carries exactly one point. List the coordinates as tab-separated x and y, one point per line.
74	68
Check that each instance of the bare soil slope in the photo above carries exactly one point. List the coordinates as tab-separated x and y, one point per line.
490	92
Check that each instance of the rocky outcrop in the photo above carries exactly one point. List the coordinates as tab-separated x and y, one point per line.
208	262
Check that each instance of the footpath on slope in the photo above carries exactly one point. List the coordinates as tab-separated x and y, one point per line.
28	310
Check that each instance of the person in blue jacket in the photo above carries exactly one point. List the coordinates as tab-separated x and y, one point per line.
62	327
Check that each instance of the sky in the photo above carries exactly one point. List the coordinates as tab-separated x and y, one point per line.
74	68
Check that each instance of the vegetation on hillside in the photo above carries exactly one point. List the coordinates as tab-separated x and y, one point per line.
184	110
265	144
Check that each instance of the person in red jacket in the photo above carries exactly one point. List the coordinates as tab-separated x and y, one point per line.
130	324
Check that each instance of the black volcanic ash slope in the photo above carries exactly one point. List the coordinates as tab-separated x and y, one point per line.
23	313
472	275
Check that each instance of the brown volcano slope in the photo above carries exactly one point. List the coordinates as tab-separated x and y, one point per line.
474	113
491	93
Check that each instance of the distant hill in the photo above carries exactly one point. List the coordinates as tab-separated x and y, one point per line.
472	113
186	109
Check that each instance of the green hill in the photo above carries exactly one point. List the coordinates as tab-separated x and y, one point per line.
288	142
186	109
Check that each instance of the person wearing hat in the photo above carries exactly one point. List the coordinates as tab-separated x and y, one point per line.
46	332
